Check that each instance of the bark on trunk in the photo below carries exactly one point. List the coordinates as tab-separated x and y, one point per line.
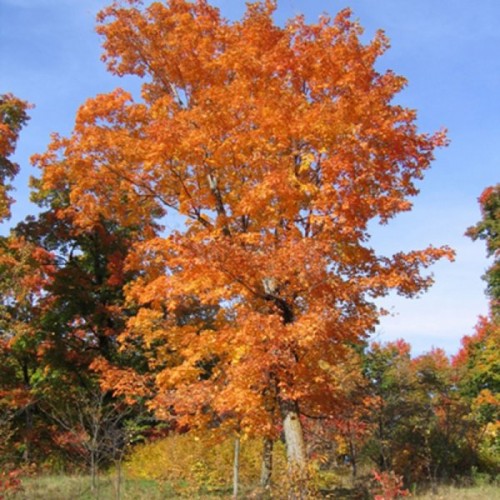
118	466
93	473
294	437
267	463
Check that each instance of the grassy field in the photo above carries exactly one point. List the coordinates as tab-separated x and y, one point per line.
78	487
485	492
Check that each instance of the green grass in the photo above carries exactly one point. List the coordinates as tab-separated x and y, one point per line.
64	487
483	492
78	488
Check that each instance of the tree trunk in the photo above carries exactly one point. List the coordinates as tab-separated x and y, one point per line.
354	462
236	467
118	466
295	451
267	463
93	473
294	437
29	429
28	414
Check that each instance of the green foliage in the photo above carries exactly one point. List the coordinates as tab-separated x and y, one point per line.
13	117
479	359
488	229
388	369
423	425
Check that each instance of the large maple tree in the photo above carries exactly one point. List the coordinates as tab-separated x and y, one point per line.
271	149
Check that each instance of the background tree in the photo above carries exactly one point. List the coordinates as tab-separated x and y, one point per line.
277	164
13	117
86	314
479	383
478	357
62	310
488	229
422	426
24	273
440	422
388	370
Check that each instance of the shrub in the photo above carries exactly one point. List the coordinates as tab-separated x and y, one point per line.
10	481
388	486
200	462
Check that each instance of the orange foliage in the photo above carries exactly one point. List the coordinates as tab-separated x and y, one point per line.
123	381
277	146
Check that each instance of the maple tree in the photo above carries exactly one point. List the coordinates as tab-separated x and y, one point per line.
13	117
276	146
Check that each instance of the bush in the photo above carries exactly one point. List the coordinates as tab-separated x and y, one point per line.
201	463
388	486
10	481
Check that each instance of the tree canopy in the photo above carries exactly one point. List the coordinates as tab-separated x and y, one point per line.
277	145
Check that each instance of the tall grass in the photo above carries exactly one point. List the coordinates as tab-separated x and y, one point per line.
483	492
78	488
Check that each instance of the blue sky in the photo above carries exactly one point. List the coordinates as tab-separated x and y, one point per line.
449	51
